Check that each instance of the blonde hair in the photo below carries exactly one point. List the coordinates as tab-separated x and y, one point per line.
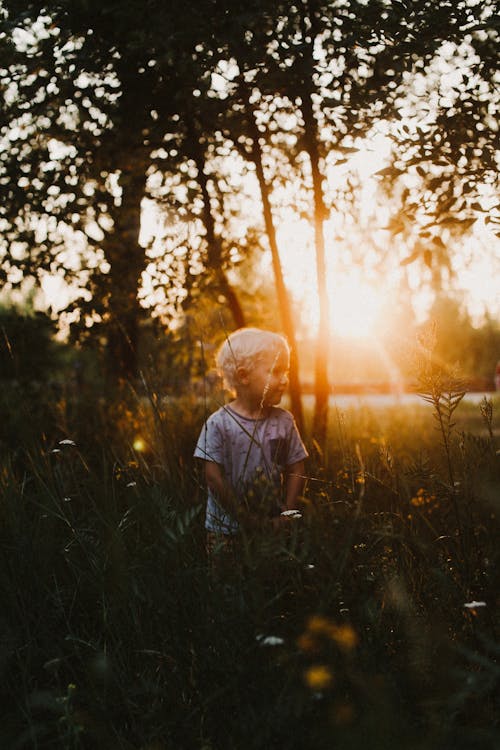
245	347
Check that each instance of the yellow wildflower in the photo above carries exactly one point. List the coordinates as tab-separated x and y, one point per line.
344	636
318	677
319	625
422	498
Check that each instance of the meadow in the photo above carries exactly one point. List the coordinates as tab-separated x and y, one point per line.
372	622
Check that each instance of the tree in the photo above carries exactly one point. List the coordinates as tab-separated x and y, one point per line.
444	166
250	142
369	53
474	351
91	93
27	348
65	101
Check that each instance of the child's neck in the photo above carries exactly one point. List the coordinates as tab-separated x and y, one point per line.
248	409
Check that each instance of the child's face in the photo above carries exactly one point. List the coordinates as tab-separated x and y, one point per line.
268	378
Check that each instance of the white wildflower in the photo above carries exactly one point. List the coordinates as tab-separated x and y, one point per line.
67	441
55	450
67	499
292	513
270	640
474	604
132	484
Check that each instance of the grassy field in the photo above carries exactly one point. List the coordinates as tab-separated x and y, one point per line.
372	623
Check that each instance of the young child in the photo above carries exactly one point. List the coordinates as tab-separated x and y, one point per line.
252	452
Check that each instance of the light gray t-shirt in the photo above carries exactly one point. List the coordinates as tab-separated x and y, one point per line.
253	454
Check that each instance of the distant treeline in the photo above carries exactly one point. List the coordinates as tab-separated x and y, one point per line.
30	352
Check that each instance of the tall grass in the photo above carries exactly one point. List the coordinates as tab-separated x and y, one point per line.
356	628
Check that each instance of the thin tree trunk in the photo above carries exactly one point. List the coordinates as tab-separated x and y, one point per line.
321	384
232	299
213	242
281	290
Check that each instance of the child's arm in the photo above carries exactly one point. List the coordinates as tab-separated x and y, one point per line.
225	495
295	481
220	488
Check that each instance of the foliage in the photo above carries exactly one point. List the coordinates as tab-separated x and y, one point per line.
87	106
458	341
106	105
365	620
444	182
27	347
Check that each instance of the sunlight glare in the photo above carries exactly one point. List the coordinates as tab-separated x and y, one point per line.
355	303
354	306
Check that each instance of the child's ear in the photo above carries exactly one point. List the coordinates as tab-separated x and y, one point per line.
242	374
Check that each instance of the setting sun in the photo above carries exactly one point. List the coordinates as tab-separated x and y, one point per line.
354	307
355	300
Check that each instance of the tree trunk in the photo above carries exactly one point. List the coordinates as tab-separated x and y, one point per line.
321	384
281	290
213	242
126	259
310	31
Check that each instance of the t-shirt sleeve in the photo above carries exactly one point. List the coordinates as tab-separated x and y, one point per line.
296	448
210	443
